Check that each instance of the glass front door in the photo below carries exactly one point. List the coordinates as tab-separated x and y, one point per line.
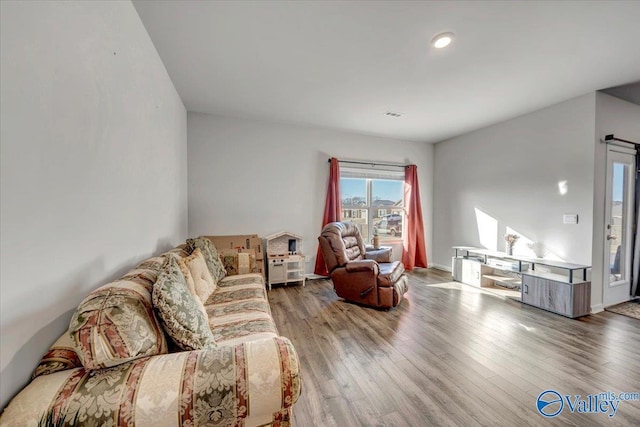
619	204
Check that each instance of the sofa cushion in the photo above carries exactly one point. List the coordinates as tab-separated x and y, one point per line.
210	255
239	310
238	296
254	279
116	322
183	321
204	283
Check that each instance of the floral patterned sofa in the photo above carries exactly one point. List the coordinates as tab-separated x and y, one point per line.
126	362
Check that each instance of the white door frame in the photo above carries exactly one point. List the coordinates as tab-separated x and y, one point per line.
619	290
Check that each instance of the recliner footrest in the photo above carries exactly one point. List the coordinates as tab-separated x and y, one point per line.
390	273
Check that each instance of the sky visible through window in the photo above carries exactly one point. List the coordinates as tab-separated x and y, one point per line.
618	181
383	189
352	187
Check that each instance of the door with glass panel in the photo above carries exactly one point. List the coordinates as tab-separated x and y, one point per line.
619	209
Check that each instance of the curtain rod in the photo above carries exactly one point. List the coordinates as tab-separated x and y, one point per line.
611	137
370	163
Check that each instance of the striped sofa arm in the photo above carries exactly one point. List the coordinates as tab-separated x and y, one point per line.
251	384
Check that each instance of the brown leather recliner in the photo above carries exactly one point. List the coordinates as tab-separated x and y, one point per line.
358	275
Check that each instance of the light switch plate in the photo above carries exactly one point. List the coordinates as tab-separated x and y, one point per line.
570	218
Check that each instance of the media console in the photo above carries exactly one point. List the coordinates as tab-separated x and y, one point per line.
559	287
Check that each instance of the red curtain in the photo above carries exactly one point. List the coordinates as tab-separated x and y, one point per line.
332	210
414	251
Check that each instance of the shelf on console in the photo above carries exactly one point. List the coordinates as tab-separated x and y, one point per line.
505	292
510	281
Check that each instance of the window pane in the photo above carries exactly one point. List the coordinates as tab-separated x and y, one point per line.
617	257
386	192
353	191
388	196
373	204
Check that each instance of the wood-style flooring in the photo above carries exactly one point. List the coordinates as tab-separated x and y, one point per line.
451	355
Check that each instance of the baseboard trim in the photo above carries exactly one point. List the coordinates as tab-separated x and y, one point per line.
597	308
441	267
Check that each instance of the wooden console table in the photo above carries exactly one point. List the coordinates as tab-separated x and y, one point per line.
564	291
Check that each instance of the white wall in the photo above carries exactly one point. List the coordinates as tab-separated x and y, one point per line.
510	171
621	118
256	177
93	148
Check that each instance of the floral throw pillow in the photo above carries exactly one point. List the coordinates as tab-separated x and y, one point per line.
239	263
116	323
210	255
183	321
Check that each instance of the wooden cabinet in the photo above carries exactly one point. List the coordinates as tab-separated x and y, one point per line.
567	299
471	272
468	271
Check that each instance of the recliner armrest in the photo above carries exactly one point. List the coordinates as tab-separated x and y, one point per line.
379	255
362	265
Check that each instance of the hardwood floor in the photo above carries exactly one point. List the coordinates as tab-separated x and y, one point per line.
451	355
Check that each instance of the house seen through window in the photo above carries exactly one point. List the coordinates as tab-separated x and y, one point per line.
374	201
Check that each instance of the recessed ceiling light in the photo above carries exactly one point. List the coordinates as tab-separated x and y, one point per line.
392	114
442	40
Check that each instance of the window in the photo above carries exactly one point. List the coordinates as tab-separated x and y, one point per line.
374	200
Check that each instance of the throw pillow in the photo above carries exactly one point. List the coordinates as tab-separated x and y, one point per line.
204	284
210	255
239	263
183	321
188	278
116	323
191	285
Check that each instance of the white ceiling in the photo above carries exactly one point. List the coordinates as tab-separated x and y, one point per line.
342	65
